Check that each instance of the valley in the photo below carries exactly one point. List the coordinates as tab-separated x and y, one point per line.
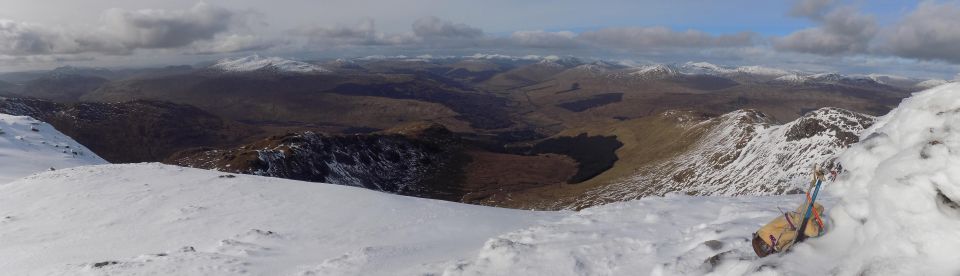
532	133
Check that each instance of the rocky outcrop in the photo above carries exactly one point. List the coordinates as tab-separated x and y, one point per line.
426	162
744	153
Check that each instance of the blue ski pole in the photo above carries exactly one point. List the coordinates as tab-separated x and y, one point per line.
802	235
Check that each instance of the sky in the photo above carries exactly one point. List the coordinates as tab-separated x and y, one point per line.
913	38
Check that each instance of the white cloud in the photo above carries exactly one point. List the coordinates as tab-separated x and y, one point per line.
640	38
841	31
931	32
122	32
432	27
543	39
166	29
231	44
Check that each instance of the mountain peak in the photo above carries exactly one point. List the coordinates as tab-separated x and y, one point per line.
257	63
655	71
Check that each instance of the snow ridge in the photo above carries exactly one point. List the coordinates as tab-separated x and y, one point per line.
745	153
29	146
274	64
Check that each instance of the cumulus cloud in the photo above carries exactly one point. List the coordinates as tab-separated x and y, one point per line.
363	33
20	39
435	33
811	8
639	38
432	27
40	59
166	29
122	32
232	44
544	39
424	32
841	31
929	33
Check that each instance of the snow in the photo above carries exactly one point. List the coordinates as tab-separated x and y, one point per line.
655	71
256	62
659	71
713	69
779	158
160	219
894	212
706	66
760	70
144	215
803	78
652	236
792	78
24	151
927	84
894	215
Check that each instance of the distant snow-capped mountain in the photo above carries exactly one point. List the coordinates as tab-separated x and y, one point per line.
273	64
762	74
803	78
661	71
655	71
713	69
745	153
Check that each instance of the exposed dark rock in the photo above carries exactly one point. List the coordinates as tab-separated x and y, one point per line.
815	123
427	162
595	154
594	101
713	244
104	263
138	131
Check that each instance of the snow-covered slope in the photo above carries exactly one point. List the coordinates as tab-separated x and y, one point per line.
744	153
899	205
159	219
148	219
656	71
272	64
895	211
713	69
28	146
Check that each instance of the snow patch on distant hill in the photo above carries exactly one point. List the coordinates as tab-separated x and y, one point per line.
713	69
29	146
927	84
662	71
654	72
274	64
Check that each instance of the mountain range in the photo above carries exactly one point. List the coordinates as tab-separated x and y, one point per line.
542	132
86	217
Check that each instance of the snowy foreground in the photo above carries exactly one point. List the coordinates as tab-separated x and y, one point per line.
152	218
894	212
28	146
